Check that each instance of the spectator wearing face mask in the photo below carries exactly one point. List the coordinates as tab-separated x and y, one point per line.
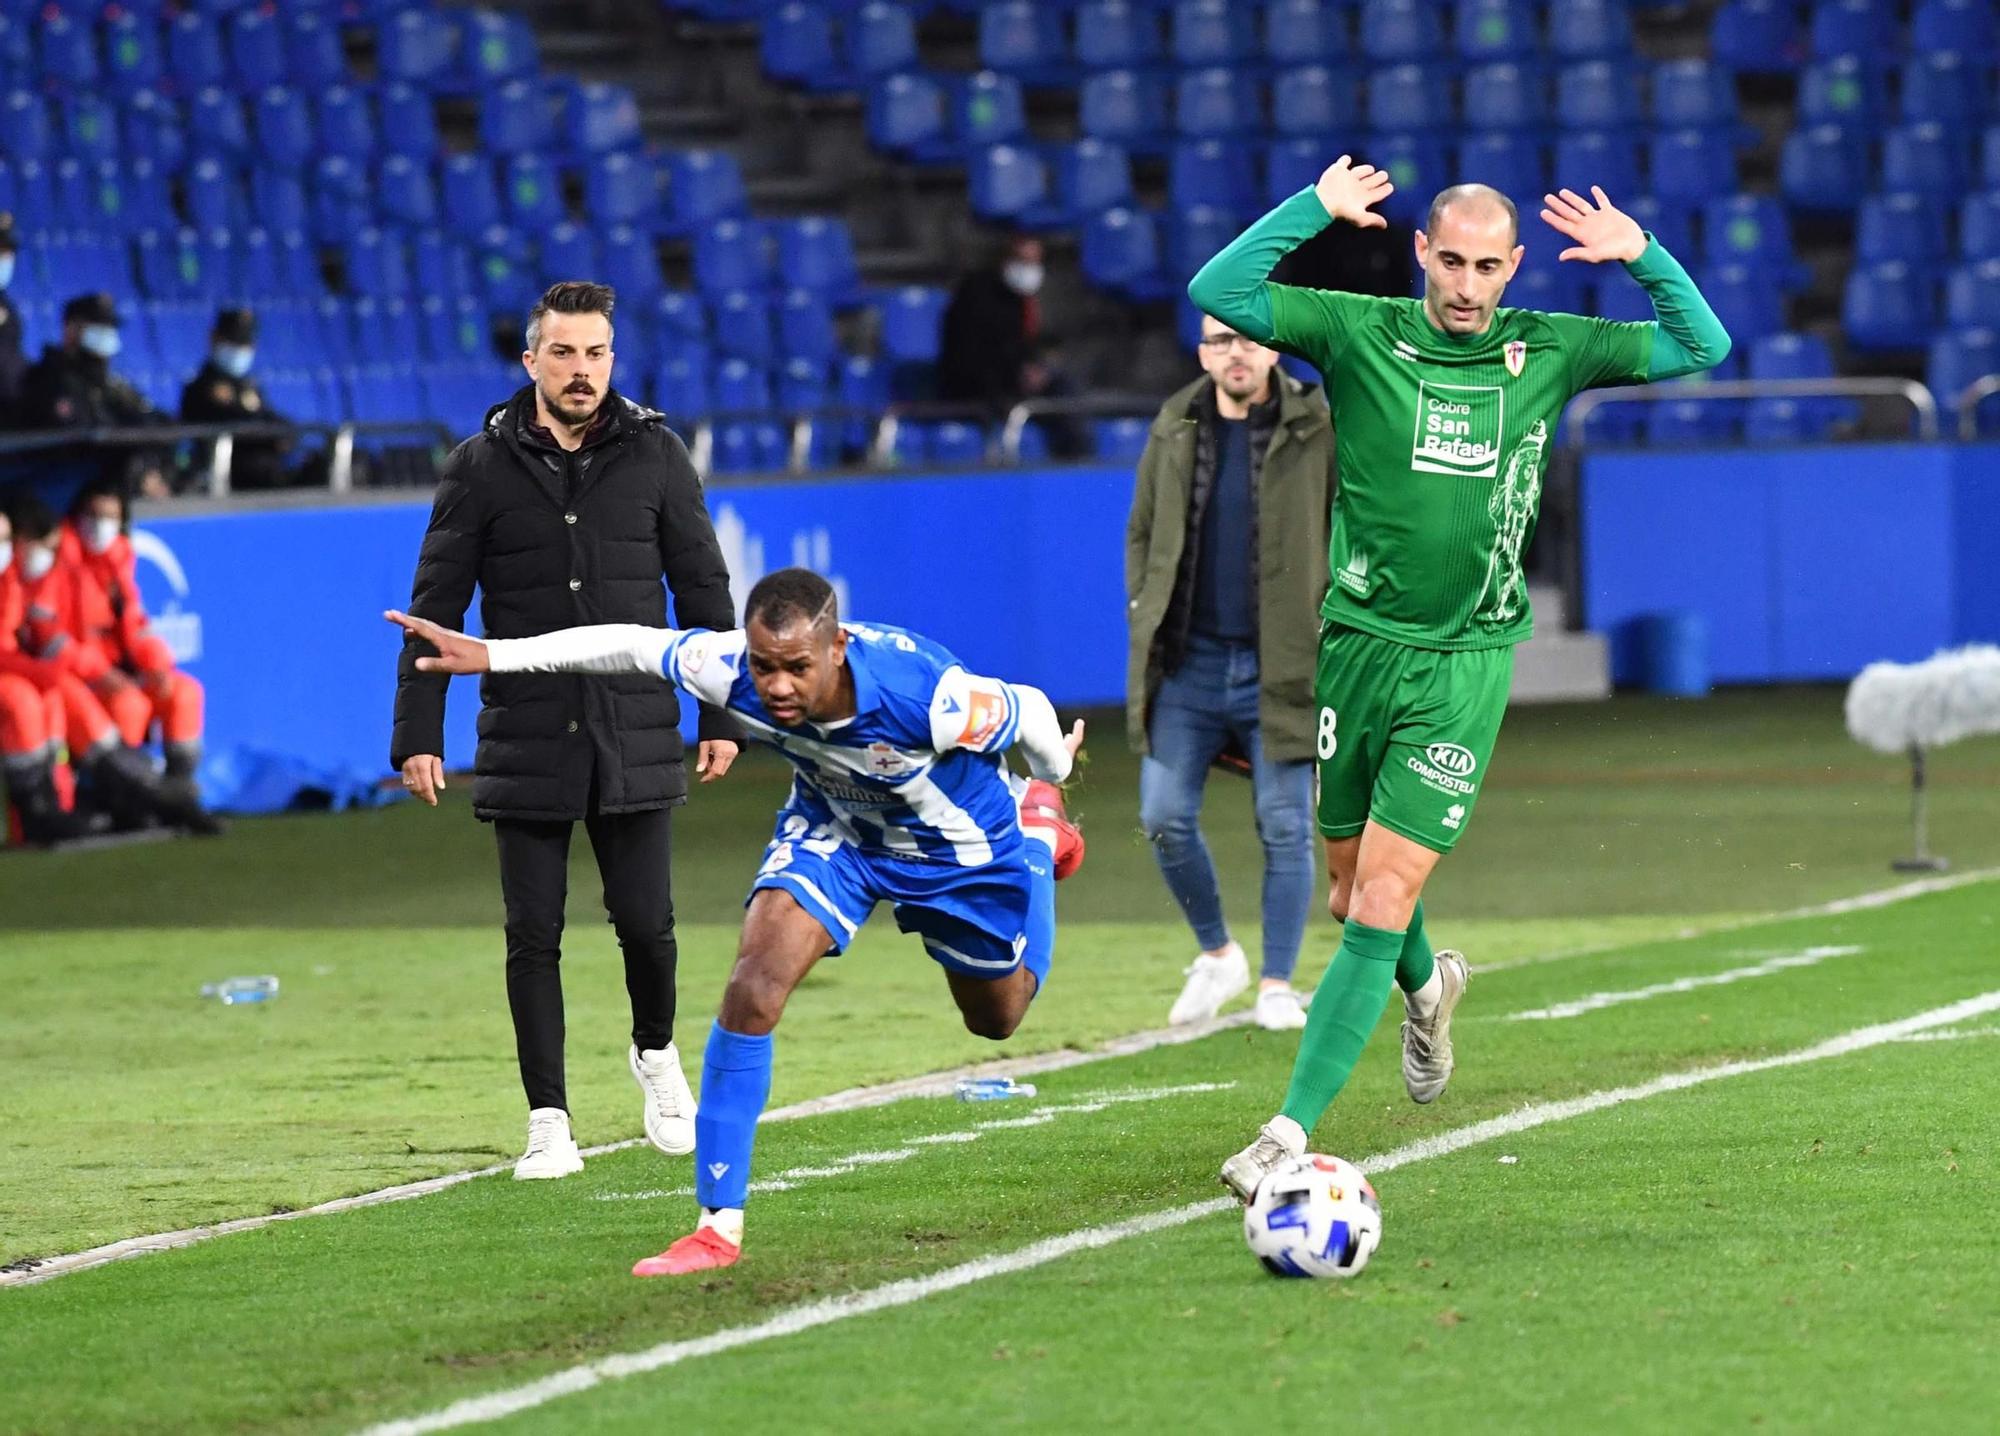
225	392
72	386
33	722
994	351
38	613
132	669
13	361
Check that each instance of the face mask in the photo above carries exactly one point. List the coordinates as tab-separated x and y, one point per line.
1022	277
98	534
37	562
6	270
101	340
234	359
6	554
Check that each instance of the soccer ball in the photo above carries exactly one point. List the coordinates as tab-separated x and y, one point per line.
1313	1216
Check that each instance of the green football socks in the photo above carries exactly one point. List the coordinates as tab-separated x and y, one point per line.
1414	966
1344	1012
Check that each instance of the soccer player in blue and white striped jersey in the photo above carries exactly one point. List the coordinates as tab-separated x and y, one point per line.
900	793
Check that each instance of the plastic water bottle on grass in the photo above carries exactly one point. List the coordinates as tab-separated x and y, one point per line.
991	1089
235	991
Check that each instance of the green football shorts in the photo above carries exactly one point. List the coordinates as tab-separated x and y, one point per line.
1404	734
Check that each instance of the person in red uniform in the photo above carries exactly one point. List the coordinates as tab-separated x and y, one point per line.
138	682
53	592
33	724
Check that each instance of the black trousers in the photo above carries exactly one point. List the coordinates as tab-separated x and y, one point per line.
632	856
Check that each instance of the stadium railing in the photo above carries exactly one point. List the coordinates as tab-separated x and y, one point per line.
1923	405
1969	400
340	439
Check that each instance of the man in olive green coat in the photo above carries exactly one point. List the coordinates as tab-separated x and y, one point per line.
1225	568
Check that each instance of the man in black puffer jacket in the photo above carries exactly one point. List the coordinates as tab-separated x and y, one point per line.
566	509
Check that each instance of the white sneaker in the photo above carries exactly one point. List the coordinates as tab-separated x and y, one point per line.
1279	1010
669	1103
551	1150
1211	981
1427	1044
1281	1139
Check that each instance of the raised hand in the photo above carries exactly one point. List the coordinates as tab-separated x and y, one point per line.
1602	231
1073	740
1347	190
456	652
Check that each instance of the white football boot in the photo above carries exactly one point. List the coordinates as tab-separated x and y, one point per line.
1427	1041
1211	981
1281	1140
669	1103
551	1150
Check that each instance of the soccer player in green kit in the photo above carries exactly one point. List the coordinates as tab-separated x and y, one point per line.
1444	408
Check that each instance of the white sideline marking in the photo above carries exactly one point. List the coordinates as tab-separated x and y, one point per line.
935	1084
478	1409
1597	1001
1959	1035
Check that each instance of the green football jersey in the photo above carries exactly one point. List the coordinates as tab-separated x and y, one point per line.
1441	445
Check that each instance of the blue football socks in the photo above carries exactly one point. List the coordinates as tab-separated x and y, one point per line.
735	1085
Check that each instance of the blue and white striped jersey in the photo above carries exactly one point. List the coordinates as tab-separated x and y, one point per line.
915	774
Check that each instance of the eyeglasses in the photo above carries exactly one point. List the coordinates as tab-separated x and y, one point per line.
1222	343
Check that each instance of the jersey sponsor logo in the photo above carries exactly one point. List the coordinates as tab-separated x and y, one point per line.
1405	350
1458	429
1515	352
1438	779
1454	815
1454	759
1354	573
694	656
986	710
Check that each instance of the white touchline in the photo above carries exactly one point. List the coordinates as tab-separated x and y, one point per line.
479	1409
934	1084
1957	1036
1597	1001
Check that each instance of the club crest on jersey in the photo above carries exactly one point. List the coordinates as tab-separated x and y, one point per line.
885	762
1515	352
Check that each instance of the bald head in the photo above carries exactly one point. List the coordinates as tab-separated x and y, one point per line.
1479	203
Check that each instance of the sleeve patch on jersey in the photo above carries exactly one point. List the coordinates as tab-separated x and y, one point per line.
985	712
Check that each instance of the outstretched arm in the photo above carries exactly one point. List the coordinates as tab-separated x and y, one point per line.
600	648
1688	338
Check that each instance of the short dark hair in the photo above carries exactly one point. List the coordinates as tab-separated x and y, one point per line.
1459	193
100	488
572	296
33	518
788	596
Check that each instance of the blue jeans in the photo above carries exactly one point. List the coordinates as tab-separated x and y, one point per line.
1211	699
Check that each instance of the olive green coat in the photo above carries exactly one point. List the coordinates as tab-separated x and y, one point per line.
1295	492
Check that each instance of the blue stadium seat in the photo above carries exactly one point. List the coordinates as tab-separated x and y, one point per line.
1888	306
377	263
1019	37
912	318
1212	33
467	193
1303	32
1823	169
73	201
1487	30
68	51
505	279
194	52
1590	29
1400	31
89	129
905	113
816	252
1595	95
1214	102
1757	37
495	47
1211	172
1964	27
749	448
1119	441
214	198
1868	30
1510	162
607	119
802	386
631	265
1195	235
990	110
414	45
704	185
1945	86
1314	100
881	40
1959	358
514	119
1691	166
1091	175
346	123
1904	226
621	189
131	195
168	268
132	57
1123	106
534	192
864	385
1007	181
1598	157
1669	223
1845	90
408	120
284	127
1689	423
1972	295
1503	96
1790	356
805	326
1121	248
796	44
25	185
150	128
1694	94
1114	34
1927	158
1407	97
1744	299
741	387
278	201
729	255
440	267
954	442
25	131
1752	230
1290	166
680	315
1979	226
1417	166
256	49
313	54
215	124
297	263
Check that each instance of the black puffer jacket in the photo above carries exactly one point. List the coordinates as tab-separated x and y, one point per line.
557	539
